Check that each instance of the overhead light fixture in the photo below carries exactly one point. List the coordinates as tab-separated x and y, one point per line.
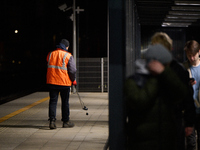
179	20
195	3
188	13
169	24
182	17
178	26
185	8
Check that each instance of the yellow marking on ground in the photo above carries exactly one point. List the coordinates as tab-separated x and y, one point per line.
22	109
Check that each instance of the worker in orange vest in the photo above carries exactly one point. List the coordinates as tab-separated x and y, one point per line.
61	74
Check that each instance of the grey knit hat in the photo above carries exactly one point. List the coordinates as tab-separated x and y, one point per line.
158	52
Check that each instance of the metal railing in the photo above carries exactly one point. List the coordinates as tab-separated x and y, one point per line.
92	75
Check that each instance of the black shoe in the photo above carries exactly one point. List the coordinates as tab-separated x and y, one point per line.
52	124
68	124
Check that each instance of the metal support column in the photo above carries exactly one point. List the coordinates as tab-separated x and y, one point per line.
117	34
102	75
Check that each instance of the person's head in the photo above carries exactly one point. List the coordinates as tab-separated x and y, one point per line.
64	44
162	38
192	50
158	52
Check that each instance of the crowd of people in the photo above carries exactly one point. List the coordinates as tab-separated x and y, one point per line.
162	98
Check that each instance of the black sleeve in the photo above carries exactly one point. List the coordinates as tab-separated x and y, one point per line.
188	102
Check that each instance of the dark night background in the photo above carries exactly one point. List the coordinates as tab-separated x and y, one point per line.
41	25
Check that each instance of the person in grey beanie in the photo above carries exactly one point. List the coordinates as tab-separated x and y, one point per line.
61	74
154	97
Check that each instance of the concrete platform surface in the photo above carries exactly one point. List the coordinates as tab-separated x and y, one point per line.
24	123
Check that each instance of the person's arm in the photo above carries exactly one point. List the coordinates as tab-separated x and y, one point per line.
188	131
71	67
188	102
48	57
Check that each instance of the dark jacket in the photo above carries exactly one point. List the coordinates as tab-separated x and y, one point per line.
188	103
155	105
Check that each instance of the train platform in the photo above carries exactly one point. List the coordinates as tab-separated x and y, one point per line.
24	123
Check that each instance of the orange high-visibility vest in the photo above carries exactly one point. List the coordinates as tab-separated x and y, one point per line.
57	68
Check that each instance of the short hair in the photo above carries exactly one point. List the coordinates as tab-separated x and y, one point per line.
192	47
162	38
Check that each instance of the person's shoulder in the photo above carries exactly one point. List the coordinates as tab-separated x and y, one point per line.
134	76
186	64
180	70
139	79
178	65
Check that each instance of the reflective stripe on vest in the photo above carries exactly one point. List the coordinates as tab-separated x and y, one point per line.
58	67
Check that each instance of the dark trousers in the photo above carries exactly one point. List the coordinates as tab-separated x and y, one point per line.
191	140
54	93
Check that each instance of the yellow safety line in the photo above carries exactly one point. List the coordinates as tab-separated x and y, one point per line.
22	109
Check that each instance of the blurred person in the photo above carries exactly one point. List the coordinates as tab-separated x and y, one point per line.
61	74
164	39
167	42
155	97
192	49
